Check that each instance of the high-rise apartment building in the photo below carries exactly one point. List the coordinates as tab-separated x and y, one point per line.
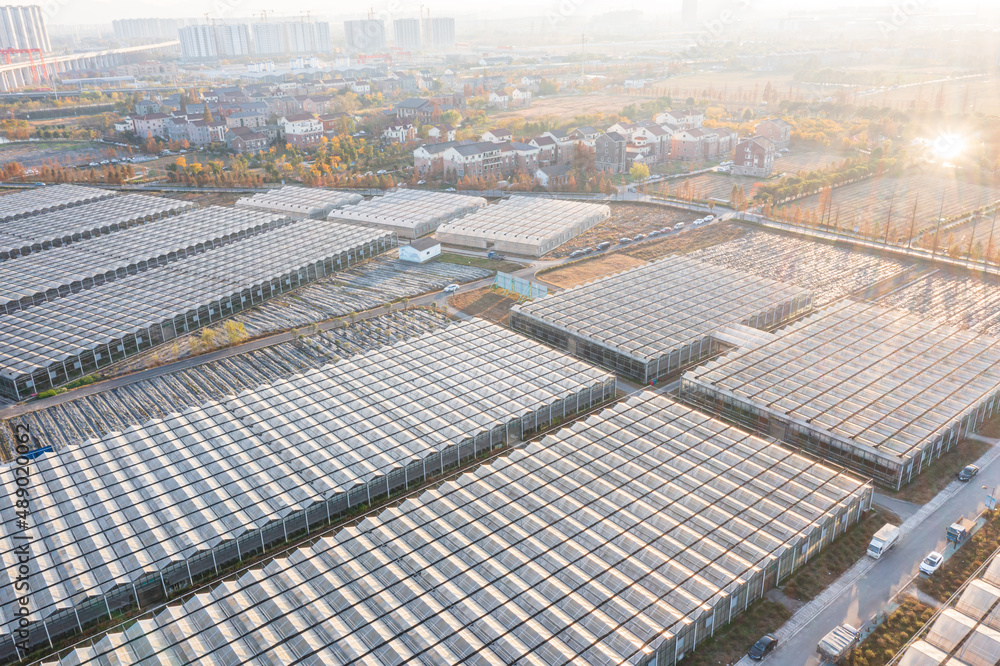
210	42
406	32
291	37
365	35
440	33
23	27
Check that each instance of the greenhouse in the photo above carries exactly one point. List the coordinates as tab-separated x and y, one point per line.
299	201
409	213
124	520
36	278
56	341
526	226
631	537
62	227
44	199
651	321
877	390
967	633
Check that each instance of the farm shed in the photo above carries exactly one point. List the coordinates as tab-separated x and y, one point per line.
62	227
420	250
55	341
185	495
526	226
409	213
652	320
297	201
37	278
630	538
877	390
44	199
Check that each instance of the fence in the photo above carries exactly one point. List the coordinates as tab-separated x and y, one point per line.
523	288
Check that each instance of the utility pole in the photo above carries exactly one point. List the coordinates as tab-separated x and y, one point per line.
937	229
913	222
990	241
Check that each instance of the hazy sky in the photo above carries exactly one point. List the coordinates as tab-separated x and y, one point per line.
103	11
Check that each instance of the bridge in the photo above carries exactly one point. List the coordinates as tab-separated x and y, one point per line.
16	74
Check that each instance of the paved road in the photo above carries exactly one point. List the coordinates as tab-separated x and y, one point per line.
857	601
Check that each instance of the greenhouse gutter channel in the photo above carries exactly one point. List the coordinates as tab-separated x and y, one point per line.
181	596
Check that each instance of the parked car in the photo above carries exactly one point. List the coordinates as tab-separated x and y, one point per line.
576	253
931	562
638	238
763	647
678	226
623	241
653	234
968	472
709	218
666	230
601	247
698	222
587	250
450	289
883	540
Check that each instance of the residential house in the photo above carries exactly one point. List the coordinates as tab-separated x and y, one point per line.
565	145
336	122
498	100
428	160
551	177
586	135
246	119
531	82
497	135
400	132
178	129
520	97
519	158
754	157
203	133
301	129
245	140
657	139
688	145
548	150
476	160
609	152
726	141
150	124
777	131
147	106
361	87
125	125
685	119
441	133
624	128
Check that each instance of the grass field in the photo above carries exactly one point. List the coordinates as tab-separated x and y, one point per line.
805	160
939	473
565	107
869	200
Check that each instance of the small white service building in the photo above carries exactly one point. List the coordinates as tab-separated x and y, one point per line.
420	250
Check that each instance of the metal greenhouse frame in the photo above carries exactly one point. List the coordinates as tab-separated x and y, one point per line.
298	201
651	321
409	213
62	227
36	278
134	515
55	341
524	225
626	539
44	199
878	390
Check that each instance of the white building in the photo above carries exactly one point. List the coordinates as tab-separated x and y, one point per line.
439	33
420	250
208	42
365	35
407	33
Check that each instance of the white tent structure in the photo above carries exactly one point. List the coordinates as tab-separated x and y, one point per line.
297	201
629	537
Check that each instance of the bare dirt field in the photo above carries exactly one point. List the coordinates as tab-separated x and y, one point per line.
806	160
703	186
627	219
587	270
32	154
563	108
490	305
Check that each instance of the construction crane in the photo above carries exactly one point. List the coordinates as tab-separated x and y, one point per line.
7	53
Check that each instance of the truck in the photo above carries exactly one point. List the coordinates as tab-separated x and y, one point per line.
883	541
835	645
960	530
495	255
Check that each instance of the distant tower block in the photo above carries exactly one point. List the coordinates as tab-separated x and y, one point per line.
689	13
